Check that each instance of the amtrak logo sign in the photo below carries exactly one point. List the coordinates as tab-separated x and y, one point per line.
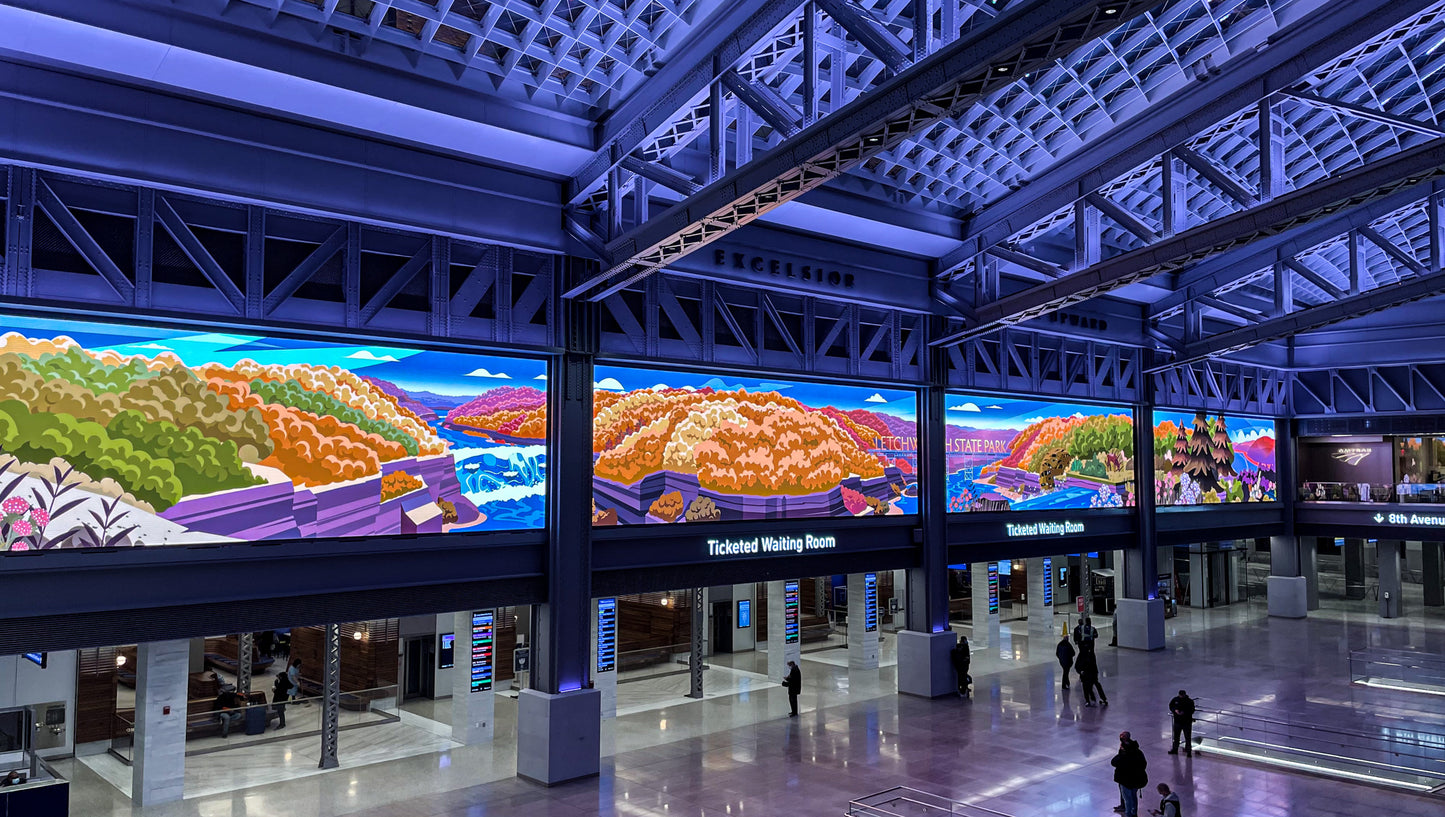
1352	456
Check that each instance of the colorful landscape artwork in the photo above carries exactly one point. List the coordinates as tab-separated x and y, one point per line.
114	435
1013	455
1203	459
673	447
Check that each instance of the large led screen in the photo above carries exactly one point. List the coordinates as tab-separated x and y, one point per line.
672	447
1025	455
1204	459
116	435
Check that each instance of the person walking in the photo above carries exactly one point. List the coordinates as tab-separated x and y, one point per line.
1085	634
1181	712
1087	665
1065	652
794	683
1169	805
1130	772
962	659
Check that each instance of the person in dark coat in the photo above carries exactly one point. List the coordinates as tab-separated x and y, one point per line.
794	683
1130	773
1181	712
1087	665
962	659
1065	652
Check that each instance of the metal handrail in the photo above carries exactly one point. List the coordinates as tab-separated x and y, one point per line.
908	794
1397	746
1311	727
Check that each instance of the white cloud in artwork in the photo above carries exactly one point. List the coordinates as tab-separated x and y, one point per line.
485	373
1031	420
876	398
608	384
965	407
661	387
997	408
1250	435
155	346
367	354
540	377
689	388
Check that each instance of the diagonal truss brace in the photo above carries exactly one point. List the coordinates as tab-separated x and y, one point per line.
916	98
1404	170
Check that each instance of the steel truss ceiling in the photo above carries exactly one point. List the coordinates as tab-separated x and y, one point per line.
1264	167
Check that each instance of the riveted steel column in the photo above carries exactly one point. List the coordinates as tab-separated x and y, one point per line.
245	642
699	622
331	698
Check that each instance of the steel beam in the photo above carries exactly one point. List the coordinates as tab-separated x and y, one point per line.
927	92
1320	34
1367	114
651	107
695	656
1405	170
879	41
763	101
1310	318
245	643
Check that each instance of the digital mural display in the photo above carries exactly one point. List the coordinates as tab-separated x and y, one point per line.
1005	454
114	435
673	447
1204	459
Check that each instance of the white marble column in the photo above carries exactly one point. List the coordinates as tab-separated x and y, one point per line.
1041	616
159	771
604	682
862	645
779	651
472	712
985	624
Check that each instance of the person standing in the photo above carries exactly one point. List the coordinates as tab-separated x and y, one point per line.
1065	652
1130	772
1084	635
962	660
1087	665
1169	805
280	691
794	683
1181	712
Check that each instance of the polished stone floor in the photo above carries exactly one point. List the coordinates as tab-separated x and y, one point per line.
1019	746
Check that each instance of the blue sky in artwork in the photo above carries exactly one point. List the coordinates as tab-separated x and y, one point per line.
991	411
1241	429
448	373
901	403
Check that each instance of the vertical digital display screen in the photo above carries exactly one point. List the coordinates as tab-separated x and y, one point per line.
483	645
39	658
446	658
745	614
606	635
870	602
790	613
992	587
1048	582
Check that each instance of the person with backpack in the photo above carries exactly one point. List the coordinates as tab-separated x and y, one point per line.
1085	634
1130	773
1087	666
1181	712
280	692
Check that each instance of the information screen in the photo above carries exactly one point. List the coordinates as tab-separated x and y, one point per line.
447	657
745	613
483	646
606	635
870	602
791	605
1048	582
992	587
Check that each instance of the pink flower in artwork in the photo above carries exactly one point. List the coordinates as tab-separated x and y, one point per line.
40	517
21	527
15	504
19	546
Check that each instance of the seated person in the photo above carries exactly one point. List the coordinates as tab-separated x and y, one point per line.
230	709
12	779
